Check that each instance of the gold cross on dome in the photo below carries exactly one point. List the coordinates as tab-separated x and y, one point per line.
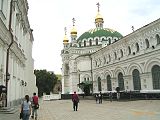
73	20
98	5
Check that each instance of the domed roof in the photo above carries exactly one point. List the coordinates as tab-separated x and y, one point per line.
73	31
100	32
98	16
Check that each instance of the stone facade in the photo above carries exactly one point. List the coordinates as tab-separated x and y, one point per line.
106	59
21	64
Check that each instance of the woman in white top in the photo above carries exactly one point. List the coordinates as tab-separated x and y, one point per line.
26	108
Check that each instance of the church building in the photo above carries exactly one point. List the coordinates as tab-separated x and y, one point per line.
106	59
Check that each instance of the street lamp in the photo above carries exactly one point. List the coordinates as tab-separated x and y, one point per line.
8	77
25	84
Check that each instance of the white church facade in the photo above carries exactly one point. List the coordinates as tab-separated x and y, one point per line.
16	62
108	60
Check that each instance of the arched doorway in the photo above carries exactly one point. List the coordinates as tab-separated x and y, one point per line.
99	84
156	76
109	84
120	81
136	80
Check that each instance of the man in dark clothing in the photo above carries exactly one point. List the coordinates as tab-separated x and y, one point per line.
100	98
75	100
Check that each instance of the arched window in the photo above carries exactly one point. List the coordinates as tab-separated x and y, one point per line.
99	84
109	40
120	81
79	44
90	42
84	43
104	60
147	43
96	41
109	84
158	39
121	53
129	50
109	57
137	47
136	80
115	55
156	76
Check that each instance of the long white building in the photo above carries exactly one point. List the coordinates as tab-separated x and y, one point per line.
109	60
15	28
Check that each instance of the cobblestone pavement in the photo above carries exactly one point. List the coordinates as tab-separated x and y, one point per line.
89	110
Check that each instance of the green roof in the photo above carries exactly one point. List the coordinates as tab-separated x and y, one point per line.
100	32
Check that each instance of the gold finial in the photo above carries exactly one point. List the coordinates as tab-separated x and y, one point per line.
65	30
98	5
73	20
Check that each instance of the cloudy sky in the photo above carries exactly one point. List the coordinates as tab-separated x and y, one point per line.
49	17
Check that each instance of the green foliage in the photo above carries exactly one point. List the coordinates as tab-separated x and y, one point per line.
45	81
86	87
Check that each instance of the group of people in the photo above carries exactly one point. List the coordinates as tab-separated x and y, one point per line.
29	106
2	99
99	98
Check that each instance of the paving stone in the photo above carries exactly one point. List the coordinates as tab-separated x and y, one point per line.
89	110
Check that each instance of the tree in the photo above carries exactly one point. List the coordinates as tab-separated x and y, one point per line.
45	81
86	87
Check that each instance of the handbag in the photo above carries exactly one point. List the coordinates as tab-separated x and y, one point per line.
21	115
36	106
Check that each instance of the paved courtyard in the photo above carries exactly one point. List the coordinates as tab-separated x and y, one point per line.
89	110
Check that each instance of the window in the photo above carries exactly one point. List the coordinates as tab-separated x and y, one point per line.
136	80
129	50
115	55
147	43
96	41
1	5
156	76
90	42
109	57
121	53
120	81
109	40
99	84
79	44
158	39
137	47
84	43
109	85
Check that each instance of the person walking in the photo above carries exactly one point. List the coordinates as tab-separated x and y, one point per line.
75	100
35	106
100	98
26	108
110	96
96	96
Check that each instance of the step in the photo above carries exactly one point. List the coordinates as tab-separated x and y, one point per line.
8	110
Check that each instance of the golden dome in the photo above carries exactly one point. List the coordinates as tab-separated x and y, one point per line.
98	16
73	31
65	39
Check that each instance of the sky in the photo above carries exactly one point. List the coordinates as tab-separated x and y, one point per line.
49	17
